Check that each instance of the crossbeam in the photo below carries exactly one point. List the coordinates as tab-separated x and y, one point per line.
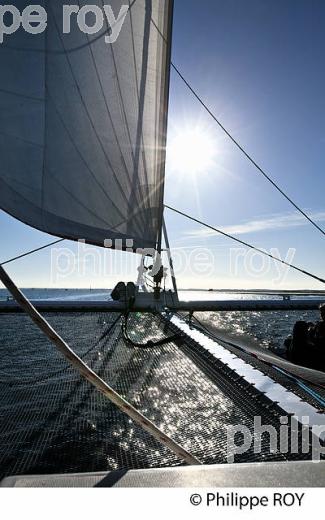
150	305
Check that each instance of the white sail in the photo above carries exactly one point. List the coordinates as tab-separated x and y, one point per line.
83	123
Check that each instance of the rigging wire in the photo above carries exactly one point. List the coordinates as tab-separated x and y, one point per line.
246	244
32	251
303	385
247	155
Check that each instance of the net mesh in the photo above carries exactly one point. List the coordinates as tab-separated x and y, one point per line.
52	421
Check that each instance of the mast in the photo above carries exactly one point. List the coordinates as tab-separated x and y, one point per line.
164	123
170	259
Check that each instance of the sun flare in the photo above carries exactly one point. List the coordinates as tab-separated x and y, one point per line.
191	151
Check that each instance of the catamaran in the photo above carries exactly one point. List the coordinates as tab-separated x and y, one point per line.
135	391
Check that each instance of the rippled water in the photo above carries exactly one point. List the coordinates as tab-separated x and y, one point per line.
267	329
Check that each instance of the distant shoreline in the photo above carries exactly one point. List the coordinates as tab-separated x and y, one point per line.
228	291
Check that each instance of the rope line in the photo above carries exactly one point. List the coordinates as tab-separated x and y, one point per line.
265	253
147	344
240	147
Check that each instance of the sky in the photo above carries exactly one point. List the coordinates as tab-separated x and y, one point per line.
259	66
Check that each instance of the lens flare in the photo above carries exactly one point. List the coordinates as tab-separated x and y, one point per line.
191	152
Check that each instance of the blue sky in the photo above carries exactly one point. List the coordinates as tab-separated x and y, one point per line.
259	65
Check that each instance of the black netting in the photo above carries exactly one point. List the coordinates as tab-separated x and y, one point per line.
51	421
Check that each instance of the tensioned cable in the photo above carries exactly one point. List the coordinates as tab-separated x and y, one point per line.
240	147
265	253
32	251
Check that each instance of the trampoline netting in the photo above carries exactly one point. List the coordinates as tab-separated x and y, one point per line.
52	421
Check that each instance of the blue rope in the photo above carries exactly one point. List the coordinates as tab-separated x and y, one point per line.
302	385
